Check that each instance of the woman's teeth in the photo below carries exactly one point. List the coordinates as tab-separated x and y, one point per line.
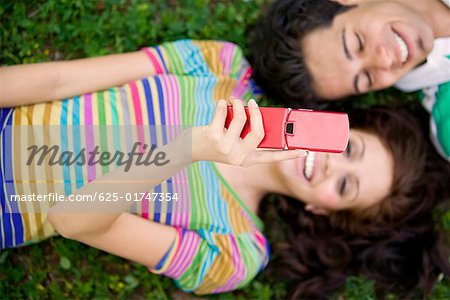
309	165
403	48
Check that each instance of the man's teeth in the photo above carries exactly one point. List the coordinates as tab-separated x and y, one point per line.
403	48
309	165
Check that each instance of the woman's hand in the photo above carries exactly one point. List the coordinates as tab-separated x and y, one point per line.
216	143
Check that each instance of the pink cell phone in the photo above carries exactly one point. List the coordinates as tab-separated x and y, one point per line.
287	128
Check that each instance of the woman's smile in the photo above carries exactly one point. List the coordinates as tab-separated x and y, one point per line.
308	169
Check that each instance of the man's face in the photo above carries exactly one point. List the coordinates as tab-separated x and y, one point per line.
366	48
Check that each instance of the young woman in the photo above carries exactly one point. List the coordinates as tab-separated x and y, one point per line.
402	259
208	237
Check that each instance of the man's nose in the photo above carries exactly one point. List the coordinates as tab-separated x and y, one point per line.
384	61
381	58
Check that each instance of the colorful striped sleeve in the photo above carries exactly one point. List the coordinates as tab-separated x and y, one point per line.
199	58
205	263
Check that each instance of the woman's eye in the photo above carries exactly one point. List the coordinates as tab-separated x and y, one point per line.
348	150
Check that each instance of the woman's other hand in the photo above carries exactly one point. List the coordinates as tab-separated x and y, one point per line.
216	143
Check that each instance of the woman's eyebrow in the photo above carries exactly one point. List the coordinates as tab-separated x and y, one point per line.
361	155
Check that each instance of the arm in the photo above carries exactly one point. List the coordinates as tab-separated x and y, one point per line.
33	83
110	229
133	238
106	225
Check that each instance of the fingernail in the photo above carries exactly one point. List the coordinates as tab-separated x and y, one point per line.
221	102
252	103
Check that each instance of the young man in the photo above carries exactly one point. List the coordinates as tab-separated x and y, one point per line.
305	50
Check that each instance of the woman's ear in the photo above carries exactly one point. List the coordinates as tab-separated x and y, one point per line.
316	210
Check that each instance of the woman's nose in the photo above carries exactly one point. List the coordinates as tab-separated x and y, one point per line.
334	163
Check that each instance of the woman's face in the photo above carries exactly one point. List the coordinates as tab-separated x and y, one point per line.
369	47
356	179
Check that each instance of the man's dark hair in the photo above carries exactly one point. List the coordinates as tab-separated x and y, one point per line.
275	51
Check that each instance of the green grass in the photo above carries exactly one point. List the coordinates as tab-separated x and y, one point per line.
48	30
36	31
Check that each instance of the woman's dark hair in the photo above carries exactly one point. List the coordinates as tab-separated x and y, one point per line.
274	46
395	243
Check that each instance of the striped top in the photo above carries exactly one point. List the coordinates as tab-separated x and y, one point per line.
219	245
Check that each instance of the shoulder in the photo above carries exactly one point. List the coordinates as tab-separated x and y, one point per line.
238	258
205	262
201	44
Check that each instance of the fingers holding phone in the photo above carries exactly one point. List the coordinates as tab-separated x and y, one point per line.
220	144
235	128
256	134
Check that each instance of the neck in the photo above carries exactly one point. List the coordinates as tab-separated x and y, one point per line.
436	13
253	183
263	179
